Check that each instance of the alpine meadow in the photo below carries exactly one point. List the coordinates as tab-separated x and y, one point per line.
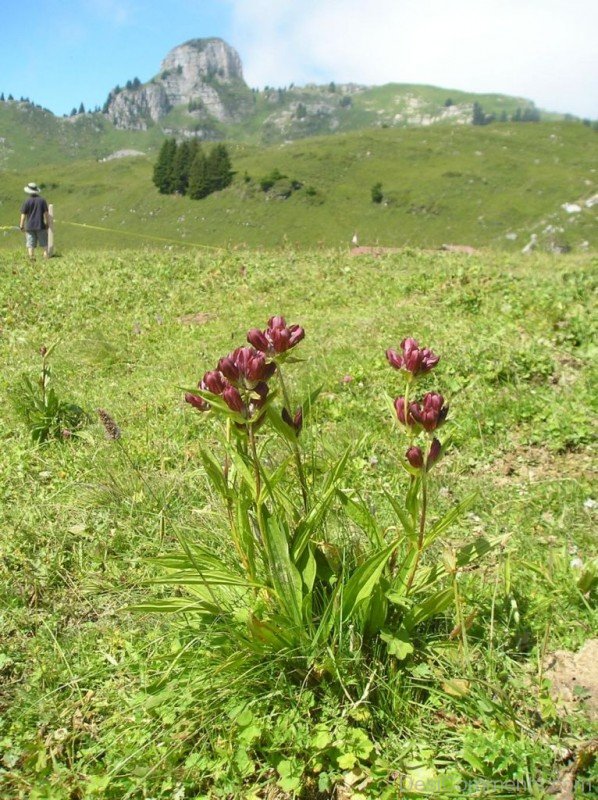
298	424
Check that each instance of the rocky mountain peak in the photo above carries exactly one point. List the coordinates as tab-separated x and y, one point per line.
198	60
201	74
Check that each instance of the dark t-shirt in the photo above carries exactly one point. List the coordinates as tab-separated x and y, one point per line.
34	209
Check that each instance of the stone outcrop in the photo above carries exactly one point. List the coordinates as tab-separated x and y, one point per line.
206	75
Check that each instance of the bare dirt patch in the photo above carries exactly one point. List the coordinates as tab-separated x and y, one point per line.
531	464
374	251
574	678
200	318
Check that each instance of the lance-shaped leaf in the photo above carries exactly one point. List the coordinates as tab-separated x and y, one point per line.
284	575
363	518
404	518
214	472
363	581
430	607
451	516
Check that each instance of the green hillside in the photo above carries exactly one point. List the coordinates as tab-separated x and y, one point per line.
31	135
490	186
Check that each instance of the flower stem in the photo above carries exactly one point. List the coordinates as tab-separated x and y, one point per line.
422	530
295	446
256	463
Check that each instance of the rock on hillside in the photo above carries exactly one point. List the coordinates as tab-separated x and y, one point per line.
204	74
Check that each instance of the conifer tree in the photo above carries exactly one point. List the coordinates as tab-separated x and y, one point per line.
220	173
478	117
181	167
199	185
163	168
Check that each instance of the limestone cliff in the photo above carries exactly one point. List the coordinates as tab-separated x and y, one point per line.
205	75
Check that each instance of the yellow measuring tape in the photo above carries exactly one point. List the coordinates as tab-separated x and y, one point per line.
142	235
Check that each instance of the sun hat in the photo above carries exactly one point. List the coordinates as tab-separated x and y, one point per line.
32	188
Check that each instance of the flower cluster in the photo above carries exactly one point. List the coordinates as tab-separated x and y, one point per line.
241	378
425	415
414	359
278	337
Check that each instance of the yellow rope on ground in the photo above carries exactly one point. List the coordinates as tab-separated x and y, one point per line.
142	235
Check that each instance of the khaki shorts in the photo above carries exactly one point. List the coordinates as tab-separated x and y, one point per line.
35	238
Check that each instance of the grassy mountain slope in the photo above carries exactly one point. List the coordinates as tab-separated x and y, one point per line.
30	135
456	184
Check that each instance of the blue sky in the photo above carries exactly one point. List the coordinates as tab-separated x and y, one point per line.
60	53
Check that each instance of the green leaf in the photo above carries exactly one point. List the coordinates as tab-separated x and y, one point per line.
472	552
312	522
214	472
308	568
377	610
290	772
347	761
309	402
322	738
399	644
243	533
173	605
430	607
412	499
403	516
399	584
441	526
362	582
589	577
274	417
363	518
284	575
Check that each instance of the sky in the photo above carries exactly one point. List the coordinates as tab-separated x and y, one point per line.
60	53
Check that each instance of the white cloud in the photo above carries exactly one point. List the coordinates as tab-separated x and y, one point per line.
542	49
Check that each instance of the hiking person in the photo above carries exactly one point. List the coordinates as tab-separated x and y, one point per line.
35	221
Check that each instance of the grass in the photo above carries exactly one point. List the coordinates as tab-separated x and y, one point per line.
494	187
97	702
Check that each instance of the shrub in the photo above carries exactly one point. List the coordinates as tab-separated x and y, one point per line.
377	193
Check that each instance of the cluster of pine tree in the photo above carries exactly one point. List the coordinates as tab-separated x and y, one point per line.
185	169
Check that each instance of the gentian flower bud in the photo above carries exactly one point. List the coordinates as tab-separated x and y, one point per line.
229	369
411	422
432	413
415	457
197	402
257	369
213	382
277	338
260	392
277	322
258	339
434	453
413	359
295	422
233	399
394	359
